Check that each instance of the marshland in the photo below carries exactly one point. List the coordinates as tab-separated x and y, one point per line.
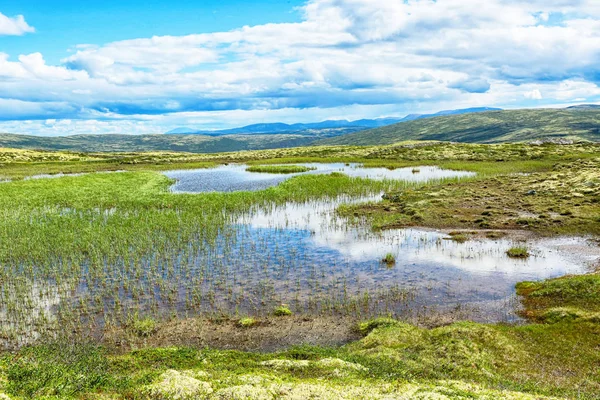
442	269
300	199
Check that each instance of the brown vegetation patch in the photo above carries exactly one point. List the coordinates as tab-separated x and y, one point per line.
268	334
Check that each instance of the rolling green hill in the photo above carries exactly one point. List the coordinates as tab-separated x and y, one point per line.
577	123
131	143
489	127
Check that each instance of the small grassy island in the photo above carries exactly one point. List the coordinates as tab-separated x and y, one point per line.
518	252
279	169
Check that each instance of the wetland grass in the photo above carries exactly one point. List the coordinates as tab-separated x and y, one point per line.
101	247
518	252
282	311
101	252
122	242
389	260
279	169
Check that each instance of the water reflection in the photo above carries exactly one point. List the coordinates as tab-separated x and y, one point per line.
233	178
27	311
304	251
303	254
410	245
440	272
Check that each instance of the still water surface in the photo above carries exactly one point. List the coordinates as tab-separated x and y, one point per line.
305	252
233	178
305	255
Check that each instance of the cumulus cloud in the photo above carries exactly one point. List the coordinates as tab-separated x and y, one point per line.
15	26
35	65
395	56
535	94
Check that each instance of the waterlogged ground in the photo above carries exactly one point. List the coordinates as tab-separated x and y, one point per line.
305	255
322	254
100	253
302	254
232	178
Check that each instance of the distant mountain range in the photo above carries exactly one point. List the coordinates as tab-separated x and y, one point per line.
279	128
477	126
585	107
328	128
137	143
577	123
414	117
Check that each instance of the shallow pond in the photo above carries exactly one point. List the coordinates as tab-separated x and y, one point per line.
432	271
301	254
234	177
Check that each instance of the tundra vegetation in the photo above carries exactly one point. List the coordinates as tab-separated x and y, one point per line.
279	169
119	239
574	123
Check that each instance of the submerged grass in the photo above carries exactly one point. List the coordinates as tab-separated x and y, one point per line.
119	239
87	252
135	203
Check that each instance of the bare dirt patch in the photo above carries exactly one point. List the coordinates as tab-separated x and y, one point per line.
269	334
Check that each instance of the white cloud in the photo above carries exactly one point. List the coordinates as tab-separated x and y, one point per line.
15	26
34	64
391	56
535	94
10	69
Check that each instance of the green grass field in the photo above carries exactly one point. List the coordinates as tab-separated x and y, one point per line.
555	359
120	235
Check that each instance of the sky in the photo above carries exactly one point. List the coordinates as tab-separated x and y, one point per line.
138	67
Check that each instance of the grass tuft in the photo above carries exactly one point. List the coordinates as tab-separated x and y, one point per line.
518	252
389	259
459	237
247	322
282	311
143	327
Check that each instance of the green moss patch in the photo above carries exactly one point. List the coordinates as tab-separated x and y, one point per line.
571	297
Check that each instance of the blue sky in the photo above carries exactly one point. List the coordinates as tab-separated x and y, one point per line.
74	67
61	25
